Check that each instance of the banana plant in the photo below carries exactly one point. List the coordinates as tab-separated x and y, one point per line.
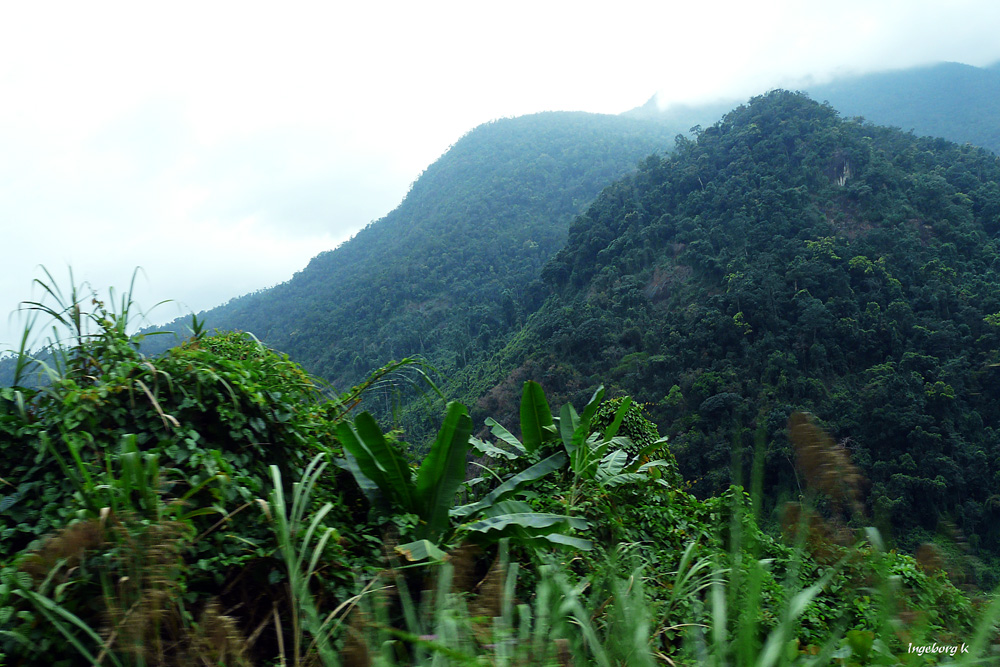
601	457
429	492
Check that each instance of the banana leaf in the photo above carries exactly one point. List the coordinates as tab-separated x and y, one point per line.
442	472
536	417
537	471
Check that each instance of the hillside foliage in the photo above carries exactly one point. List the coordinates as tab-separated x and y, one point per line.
452	271
786	260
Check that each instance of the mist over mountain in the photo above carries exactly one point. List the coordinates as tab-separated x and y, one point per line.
958	102
951	100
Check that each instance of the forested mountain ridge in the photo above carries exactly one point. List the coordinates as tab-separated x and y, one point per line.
950	100
788	259
449	272
452	271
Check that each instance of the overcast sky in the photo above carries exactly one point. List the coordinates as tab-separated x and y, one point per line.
222	145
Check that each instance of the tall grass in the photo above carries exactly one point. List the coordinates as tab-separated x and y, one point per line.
601	619
64	329
131	539
389	624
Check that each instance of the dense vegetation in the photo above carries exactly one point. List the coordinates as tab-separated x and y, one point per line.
790	260
150	520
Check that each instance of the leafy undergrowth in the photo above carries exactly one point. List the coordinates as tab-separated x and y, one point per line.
213	505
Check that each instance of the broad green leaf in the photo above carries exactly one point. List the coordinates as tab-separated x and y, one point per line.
540	469
378	459
420	550
500	432
583	456
619	442
611	465
590	409
568	541
443	470
618	480
371	475
365	483
569	421
536	417
645	451
507	507
658	463
492	450
525	520
388	458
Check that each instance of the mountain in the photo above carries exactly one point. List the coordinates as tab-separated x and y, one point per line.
951	100
788	259
453	270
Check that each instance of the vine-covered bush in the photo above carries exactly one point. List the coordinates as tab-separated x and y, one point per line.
114	461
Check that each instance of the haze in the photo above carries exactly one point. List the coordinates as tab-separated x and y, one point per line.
220	146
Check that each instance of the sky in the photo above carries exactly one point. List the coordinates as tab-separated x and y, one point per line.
221	145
